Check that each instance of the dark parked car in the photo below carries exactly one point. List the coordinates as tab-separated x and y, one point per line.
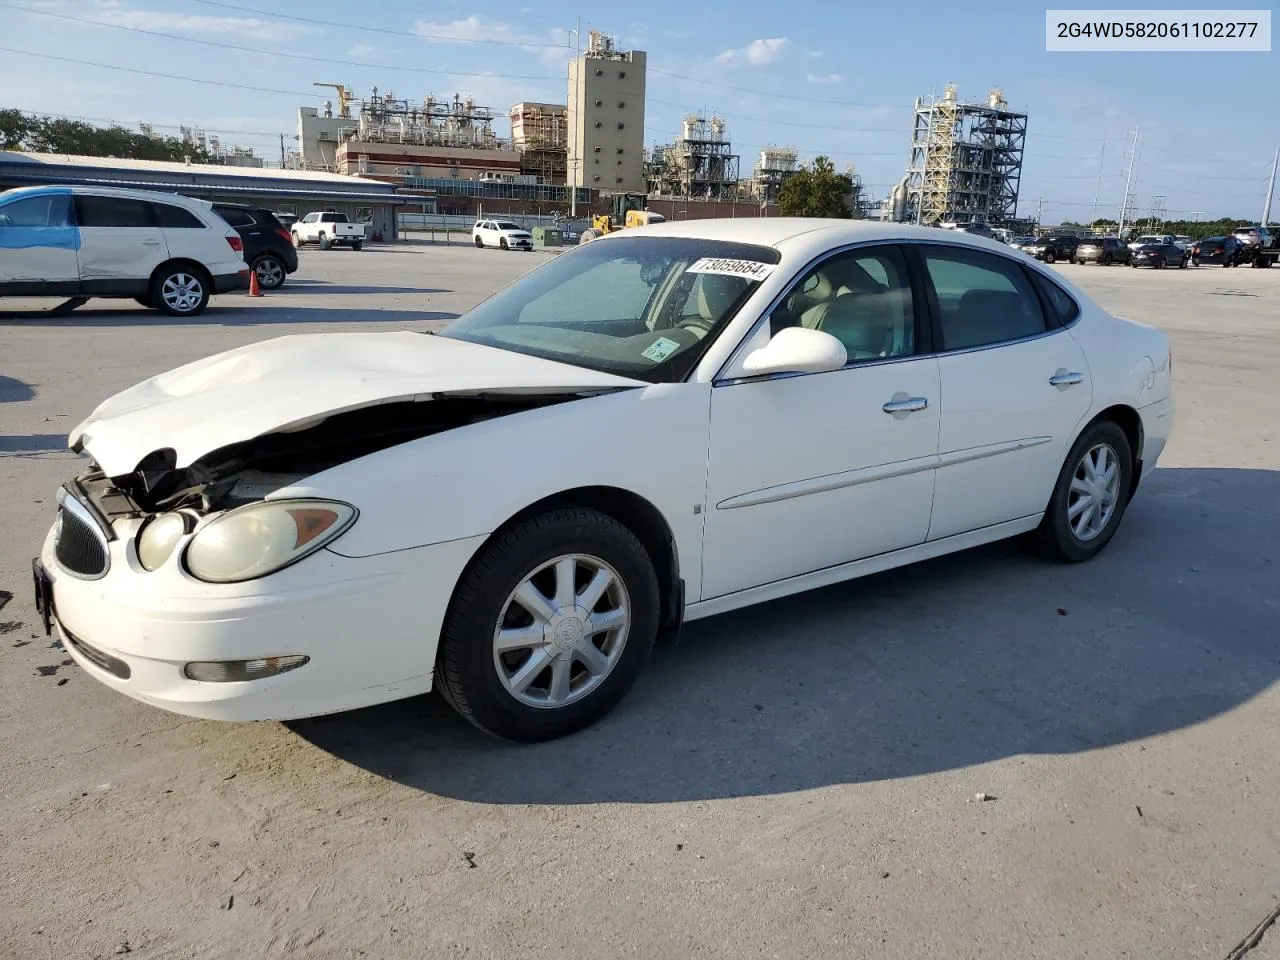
1052	249
268	247
1101	250
1158	256
1219	251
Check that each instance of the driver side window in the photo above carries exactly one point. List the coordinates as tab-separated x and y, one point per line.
862	298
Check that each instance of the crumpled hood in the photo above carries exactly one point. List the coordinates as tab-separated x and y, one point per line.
291	382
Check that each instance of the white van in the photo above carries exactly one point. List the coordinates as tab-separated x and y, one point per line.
165	251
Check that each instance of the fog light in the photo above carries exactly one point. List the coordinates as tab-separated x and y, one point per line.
234	671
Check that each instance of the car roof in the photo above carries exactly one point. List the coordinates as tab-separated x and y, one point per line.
155	196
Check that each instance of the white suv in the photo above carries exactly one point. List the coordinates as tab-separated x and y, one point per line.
501	233
167	252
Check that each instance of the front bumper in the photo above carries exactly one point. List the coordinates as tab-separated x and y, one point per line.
370	627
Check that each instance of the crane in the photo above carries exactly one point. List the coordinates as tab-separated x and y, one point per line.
344	98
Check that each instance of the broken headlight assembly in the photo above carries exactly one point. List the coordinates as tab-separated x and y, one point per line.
261	538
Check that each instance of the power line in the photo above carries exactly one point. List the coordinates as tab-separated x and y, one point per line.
273	53
315	21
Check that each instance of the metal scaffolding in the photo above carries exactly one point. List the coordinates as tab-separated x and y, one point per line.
966	160
699	163
540	131
773	166
437	123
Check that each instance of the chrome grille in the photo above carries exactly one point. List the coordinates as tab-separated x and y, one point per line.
81	548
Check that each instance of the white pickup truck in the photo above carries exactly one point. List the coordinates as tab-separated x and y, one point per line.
327	229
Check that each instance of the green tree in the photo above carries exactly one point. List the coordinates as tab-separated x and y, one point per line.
37	134
816	190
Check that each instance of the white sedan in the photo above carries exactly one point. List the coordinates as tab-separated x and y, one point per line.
668	423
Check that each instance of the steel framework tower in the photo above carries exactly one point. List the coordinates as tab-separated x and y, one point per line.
966	160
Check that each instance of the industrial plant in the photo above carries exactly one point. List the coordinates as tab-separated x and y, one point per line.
964	162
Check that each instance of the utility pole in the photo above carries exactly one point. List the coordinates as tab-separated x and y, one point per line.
1039	211
282	151
1093	212
1271	189
573	167
1128	182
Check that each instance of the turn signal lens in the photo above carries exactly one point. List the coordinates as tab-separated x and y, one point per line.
236	671
261	538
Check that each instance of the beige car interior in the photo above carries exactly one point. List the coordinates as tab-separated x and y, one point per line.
864	302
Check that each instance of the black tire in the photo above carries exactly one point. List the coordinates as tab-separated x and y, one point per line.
270	270
1182	264
325	243
1106	260
466	673
1159	265
480	242
1049	256
357	245
201	290
146	302
502	242
1054	536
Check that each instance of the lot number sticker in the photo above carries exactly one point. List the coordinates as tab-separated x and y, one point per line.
660	349
751	269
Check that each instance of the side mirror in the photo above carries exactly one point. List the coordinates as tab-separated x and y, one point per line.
797	350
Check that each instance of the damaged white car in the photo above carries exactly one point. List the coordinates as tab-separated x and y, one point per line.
665	424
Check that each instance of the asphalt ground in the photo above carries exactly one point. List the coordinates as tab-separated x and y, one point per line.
797	779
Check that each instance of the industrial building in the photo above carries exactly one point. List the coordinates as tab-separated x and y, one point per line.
699	163
540	134
966	162
773	166
606	117
285	191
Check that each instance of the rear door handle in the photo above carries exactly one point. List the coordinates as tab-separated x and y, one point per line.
151	243
1064	378
906	405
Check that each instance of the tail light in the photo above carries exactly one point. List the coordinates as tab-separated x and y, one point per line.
284	235
234	241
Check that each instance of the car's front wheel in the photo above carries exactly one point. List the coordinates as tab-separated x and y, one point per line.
1090	496
502	242
549	626
1049	256
180	291
270	270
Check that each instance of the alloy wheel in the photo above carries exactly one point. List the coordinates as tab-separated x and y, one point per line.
1094	492
182	292
561	631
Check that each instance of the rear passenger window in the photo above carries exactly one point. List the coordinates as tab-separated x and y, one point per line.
982	298
94	211
1062	306
167	215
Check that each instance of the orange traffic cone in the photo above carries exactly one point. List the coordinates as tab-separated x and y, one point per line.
254	290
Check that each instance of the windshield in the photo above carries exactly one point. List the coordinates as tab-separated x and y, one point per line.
1149	240
508	225
643	307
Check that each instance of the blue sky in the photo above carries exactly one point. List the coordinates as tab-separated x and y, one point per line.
1209	121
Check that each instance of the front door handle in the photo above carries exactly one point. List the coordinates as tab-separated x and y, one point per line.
905	405
1064	378
151	243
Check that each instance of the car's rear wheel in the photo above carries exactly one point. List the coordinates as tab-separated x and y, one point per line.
1090	496
297	239
1182	264
549	626
180	291
146	302
325	243
270	271
479	242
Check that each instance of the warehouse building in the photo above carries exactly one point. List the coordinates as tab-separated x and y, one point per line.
284	191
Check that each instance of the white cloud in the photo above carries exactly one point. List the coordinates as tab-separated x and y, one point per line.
756	52
172	21
825	78
552	47
363	51
814	54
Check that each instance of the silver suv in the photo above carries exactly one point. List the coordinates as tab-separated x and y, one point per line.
1253	236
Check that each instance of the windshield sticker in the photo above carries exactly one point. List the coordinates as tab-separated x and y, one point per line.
660	349
751	269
